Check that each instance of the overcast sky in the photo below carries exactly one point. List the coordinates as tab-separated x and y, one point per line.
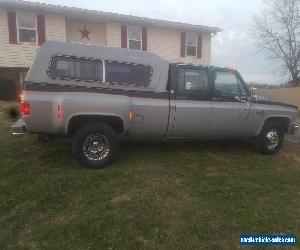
233	46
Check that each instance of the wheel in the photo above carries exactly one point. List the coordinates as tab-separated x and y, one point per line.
95	145
270	139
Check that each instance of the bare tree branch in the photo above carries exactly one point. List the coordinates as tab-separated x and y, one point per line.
277	31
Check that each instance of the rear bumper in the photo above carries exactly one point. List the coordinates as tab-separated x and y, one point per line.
19	128
293	129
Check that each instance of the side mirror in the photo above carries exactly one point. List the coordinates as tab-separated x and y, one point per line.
252	90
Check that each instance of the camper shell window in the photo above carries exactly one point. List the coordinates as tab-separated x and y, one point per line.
74	68
128	73
91	70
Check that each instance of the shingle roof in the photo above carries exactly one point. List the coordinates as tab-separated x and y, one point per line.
101	16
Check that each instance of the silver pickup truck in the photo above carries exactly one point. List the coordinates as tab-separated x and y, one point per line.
96	95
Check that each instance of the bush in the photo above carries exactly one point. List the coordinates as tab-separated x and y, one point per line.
12	111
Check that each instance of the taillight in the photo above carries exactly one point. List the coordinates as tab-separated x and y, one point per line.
59	112
25	108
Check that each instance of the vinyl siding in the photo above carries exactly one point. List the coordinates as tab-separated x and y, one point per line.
21	55
97	32
164	42
113	34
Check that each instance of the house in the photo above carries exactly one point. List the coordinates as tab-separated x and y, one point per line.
27	25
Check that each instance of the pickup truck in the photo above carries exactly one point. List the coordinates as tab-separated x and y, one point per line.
97	95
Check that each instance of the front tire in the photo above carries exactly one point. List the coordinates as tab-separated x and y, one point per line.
95	145
270	139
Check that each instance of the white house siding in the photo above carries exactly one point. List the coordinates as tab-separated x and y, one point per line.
164	42
55	28
21	55
97	31
113	34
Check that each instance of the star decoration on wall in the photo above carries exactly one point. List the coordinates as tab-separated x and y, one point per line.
85	33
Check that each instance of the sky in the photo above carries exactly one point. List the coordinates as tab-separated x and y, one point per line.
235	45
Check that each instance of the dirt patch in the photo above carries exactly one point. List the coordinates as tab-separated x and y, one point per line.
141	242
290	156
174	206
26	238
120	199
62	219
218	169
218	157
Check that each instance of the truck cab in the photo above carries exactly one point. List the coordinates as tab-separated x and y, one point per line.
215	101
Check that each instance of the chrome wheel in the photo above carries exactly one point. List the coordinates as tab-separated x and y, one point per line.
96	147
273	139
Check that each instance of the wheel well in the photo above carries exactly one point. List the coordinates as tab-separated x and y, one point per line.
77	122
282	120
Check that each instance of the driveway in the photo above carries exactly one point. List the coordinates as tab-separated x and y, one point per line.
295	138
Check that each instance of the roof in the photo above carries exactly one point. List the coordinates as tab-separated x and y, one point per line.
101	16
100	52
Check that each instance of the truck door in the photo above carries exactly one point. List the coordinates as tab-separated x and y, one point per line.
231	105
190	103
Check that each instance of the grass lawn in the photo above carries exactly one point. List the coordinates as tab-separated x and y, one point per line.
159	195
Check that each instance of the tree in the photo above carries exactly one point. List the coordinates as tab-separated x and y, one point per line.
277	31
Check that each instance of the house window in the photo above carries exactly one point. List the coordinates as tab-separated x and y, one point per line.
70	68
128	73
27	28
191	44
134	37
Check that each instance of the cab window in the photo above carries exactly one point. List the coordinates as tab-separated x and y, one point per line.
192	82
226	83
244	91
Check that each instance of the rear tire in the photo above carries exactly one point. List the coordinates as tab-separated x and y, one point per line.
95	145
270	139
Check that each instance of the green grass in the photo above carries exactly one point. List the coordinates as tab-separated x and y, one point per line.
159	195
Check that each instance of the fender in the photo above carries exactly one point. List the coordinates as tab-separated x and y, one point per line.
93	117
277	117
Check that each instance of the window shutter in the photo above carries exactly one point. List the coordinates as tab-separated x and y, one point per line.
183	44
41	31
12	27
144	39
199	46
124	36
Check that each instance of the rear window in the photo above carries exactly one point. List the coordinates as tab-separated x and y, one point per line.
65	67
128	73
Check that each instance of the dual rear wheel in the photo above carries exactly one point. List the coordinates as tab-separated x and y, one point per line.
95	145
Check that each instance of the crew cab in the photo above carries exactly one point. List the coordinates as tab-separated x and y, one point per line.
97	95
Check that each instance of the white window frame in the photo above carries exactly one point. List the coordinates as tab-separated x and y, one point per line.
186	43
26	28
140	28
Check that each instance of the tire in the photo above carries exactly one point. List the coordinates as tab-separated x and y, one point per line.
95	145
270	139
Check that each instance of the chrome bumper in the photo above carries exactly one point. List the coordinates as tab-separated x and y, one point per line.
18	128
293	129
